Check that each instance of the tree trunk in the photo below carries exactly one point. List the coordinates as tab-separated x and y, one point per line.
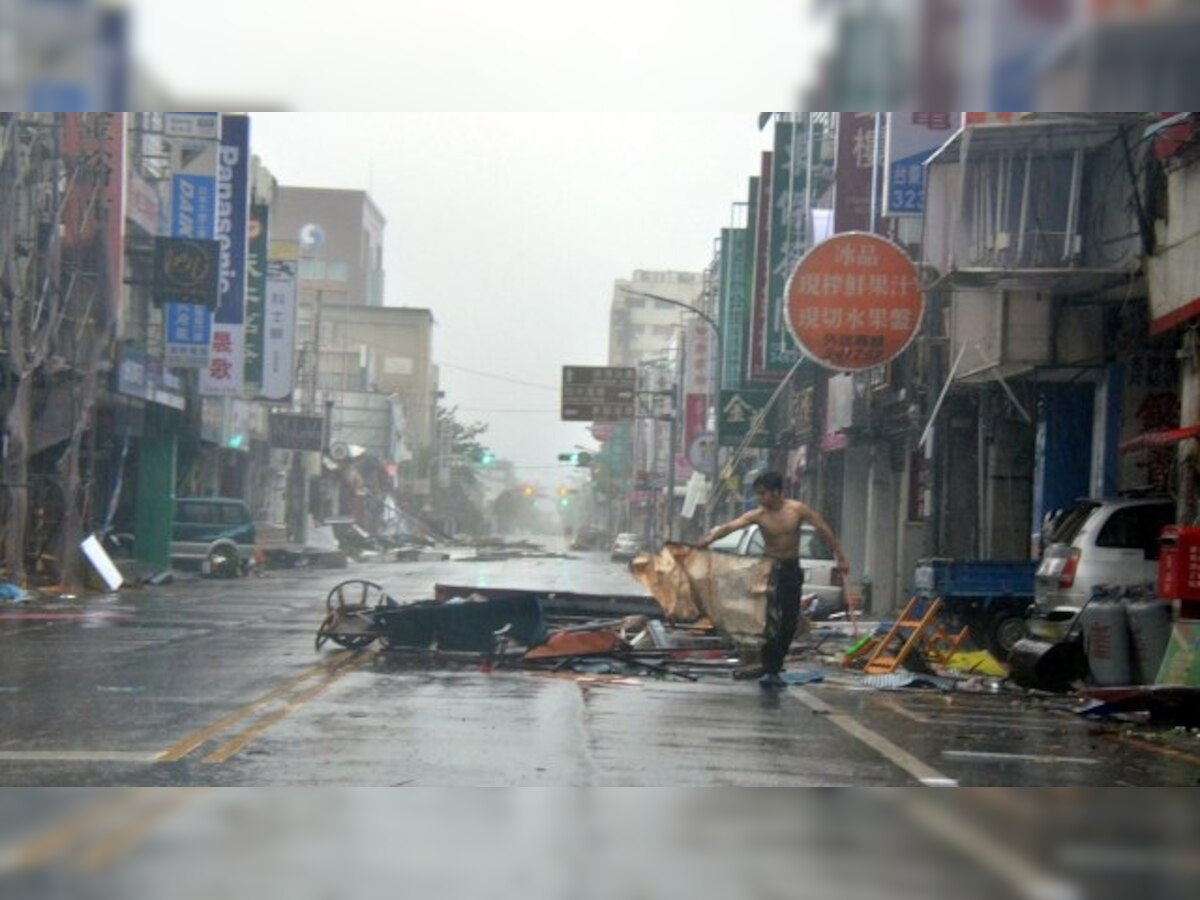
16	478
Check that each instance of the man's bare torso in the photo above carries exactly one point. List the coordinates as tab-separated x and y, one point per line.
781	529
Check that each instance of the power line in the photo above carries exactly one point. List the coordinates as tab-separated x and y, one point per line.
493	375
488	409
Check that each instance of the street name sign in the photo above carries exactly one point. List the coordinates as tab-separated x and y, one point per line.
598	393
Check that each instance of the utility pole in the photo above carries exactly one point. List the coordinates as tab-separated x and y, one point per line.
716	390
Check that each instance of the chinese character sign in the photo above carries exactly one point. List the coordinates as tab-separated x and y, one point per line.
223	377
854	302
911	138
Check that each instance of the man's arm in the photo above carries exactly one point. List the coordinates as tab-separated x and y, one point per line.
823	529
720	531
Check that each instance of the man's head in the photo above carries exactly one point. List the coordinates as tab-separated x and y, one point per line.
768	488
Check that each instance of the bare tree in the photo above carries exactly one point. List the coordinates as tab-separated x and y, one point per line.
48	327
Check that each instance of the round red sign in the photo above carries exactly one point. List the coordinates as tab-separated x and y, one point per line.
854	302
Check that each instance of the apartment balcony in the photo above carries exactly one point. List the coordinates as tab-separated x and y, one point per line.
1049	203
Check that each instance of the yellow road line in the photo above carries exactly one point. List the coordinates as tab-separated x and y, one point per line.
120	842
198	738
54	841
234	745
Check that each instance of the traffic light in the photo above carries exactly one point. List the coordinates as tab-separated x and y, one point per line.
527	490
580	458
486	458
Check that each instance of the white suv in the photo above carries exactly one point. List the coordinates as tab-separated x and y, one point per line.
1099	542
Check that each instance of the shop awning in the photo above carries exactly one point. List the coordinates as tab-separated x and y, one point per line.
1160	438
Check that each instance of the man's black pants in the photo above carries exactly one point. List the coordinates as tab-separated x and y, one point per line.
783	612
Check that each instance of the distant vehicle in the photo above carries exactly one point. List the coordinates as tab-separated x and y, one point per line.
626	546
1099	542
588	538
821	576
215	533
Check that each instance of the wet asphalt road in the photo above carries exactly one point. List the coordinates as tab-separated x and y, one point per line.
207	682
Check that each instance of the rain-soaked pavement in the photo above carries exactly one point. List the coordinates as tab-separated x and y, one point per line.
206	682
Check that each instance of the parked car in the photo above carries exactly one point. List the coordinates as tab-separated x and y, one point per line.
1098	542
626	546
214	533
821	576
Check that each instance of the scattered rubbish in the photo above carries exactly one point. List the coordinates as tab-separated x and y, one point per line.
160	578
976	662
894	681
1160	704
101	562
576	643
918	629
11	593
563	603
730	591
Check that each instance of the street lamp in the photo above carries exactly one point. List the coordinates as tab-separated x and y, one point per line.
708	506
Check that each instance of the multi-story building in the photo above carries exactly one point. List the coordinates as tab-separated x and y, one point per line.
382	349
341	238
641	326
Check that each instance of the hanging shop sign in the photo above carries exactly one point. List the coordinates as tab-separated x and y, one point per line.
185	270
854	302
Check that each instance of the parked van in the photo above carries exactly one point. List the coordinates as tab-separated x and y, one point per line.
214	533
1112	543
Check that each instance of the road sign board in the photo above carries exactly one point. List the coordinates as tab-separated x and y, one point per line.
295	432
854	302
598	393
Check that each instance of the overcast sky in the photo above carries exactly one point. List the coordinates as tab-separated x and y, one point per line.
510	227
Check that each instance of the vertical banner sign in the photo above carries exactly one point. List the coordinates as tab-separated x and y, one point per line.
760	223
226	351
911	138
788	239
93	145
256	286
279	333
733	304
697	387
193	136
855	157
193	215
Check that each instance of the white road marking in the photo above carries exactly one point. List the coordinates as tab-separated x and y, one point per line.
1018	757
74	756
956	831
918	769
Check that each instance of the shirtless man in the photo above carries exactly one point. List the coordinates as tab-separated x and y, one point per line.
779	519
